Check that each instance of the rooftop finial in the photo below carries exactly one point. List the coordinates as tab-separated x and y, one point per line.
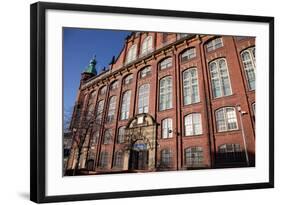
91	68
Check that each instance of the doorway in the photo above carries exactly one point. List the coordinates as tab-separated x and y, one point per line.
138	160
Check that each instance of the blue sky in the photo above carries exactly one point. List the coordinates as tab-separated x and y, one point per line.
79	46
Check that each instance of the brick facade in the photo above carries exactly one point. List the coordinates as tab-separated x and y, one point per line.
168	45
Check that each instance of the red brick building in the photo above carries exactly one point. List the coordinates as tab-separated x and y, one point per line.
167	102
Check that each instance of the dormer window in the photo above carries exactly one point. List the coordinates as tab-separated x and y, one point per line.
132	54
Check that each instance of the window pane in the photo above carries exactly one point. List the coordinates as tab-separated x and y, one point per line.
165	97
248	58
143	101
220	78
125	108
190	86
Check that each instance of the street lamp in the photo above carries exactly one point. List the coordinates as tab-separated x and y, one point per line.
241	113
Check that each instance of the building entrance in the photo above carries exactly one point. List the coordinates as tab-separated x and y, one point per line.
138	160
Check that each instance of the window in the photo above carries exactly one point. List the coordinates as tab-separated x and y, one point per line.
188	54
166	63
145	72
90	112
146	45
165	38
111	109
103	159
132	54
128	79
190	86
226	119
118	159
254	108
121	135
99	111
230	153
92	97
249	63
181	35
192	124
114	85
214	44
165	96
103	90
167	128
143	101
107	136
239	38
125	108
95	138
194	156
166	158
219	77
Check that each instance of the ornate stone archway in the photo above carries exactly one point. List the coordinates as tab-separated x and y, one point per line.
140	139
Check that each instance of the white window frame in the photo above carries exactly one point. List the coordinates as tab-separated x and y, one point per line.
121	132
252	61
143	98
125	106
146	45
131	54
188	54
226	119
167	128
145	72
190	126
111	108
219	77
213	44
166	63
166	93
188	84
100	107
128	79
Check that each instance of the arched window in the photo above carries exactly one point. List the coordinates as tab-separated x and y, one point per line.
167	128
107	136
145	72
121	135
194	157
190	86
114	85
128	79
103	159
103	90
132	54
111	109
249	63
125	107
192	124
143	101
99	111
118	159
166	63
214	44
226	119
220	78
92	97
188	54
166	158
165	90
146	45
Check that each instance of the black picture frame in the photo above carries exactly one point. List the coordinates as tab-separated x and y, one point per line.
38	103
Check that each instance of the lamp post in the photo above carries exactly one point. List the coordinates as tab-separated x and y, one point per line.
241	113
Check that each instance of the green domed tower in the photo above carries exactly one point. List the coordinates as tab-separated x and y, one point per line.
90	70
